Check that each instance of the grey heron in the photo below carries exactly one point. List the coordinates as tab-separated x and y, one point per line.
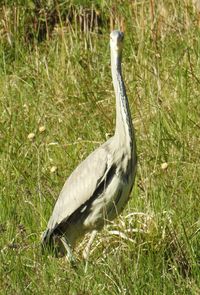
99	188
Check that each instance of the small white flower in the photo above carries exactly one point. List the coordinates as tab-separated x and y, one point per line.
53	169
164	166
42	129
31	136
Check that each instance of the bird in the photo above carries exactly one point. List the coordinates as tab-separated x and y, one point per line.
99	188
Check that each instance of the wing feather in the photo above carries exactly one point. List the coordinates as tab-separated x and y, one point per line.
81	185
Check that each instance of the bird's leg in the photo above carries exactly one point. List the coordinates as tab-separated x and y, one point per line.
67	247
86	251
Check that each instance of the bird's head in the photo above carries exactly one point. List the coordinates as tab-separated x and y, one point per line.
116	41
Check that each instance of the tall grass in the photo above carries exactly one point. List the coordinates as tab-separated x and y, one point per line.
57	105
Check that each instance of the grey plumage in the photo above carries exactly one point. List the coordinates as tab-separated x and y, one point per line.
99	188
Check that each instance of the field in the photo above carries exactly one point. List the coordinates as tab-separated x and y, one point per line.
57	104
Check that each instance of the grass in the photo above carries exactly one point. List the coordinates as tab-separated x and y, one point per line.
64	85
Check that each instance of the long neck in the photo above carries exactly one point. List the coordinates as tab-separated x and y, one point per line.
124	129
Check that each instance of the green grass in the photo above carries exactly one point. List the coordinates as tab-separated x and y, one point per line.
64	84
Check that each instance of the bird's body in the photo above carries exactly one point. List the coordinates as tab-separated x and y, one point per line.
99	188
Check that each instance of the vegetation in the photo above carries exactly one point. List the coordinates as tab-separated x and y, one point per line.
57	105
